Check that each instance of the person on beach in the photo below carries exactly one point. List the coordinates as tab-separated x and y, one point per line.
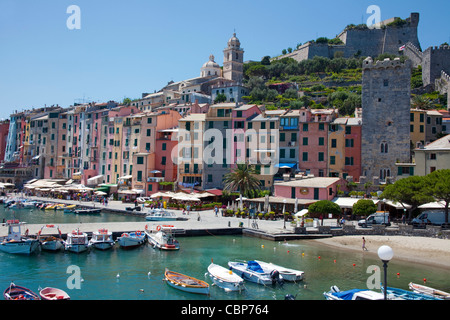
364	244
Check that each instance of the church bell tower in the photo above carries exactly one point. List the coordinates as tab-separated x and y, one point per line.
233	60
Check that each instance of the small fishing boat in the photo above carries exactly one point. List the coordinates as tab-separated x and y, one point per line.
185	283
53	294
87	211
102	239
252	271
225	278
286	273
160	215
50	242
15	242
14	292
131	239
353	294
418	288
77	241
51	206
162	239
407	295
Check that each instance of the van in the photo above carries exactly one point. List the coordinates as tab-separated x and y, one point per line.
436	218
376	218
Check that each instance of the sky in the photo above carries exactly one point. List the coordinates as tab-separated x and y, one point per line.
125	48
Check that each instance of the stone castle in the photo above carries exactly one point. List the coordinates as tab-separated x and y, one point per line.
363	41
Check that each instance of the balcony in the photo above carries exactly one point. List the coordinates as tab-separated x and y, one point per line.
155	179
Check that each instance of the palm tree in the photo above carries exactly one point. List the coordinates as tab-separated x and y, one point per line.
242	179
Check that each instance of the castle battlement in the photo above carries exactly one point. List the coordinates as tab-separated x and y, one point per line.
438	48
445	76
412	47
368	63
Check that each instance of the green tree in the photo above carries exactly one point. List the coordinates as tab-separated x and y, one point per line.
325	207
408	191
437	185
241	179
265	60
364	207
220	98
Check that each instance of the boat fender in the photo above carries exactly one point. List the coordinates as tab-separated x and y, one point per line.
335	289
138	233
289	297
158	228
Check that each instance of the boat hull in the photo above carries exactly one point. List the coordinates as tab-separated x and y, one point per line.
53	245
417	288
241	270
225	278
130	240
162	246
53	294
104	245
186	283
77	248
20	247
152	218
14	292
286	273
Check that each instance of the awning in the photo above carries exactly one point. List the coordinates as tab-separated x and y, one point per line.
36	157
93	179
126	177
285	165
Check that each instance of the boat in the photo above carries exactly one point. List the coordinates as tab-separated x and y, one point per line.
87	211
77	241
14	292
418	288
185	283
49	293
353	294
252	271
102	239
286	273
225	278
50	242
160	215
131	239
51	206
162	239
15	242
407	295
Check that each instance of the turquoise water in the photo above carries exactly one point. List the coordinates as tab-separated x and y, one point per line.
141	270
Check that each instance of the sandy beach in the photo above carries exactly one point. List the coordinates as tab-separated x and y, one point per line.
429	251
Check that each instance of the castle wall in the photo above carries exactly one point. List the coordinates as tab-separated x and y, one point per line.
386	89
435	60
414	54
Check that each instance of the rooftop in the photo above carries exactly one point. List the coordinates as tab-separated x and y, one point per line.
440	144
317	182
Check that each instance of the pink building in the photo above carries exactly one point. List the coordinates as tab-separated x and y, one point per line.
309	188
313	140
4	129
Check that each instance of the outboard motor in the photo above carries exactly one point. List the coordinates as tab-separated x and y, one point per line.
275	276
289	297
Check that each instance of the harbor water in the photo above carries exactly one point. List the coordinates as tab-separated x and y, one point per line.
137	274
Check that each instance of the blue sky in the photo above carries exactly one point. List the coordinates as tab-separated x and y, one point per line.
125	48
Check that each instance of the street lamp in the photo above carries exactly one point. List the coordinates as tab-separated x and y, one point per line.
385	253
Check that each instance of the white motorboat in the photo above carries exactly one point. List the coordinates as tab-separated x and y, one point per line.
436	293
131	239
252	271
353	294
102	239
50	242
225	278
160	215
15	242
162	239
285	273
77	241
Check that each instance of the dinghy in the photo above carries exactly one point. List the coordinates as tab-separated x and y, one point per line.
185	283
225	278
53	294
418	288
14	292
286	273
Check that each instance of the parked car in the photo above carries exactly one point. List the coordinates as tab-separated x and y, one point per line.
376	218
436	218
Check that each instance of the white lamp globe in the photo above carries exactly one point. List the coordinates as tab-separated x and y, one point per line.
385	253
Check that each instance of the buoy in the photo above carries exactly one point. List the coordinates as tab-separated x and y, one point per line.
354	264
334	260
303	254
319	257
424	280
118	276
141	290
149	274
288	251
398	274
262	246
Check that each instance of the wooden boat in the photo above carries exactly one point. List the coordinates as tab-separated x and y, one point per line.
407	295
185	283
15	242
102	239
285	273
225	278
77	241
418	288
14	292
131	239
53	294
252	271
51	206
163	240
353	294
49	242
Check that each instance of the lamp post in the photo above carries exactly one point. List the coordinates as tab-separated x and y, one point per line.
385	253
284	216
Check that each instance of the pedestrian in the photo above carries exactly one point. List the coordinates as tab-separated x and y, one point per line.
216	210
364	244
403	218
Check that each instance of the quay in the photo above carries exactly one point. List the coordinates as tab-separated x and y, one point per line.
196	223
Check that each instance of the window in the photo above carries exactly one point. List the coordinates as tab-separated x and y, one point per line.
305	127
321	126
272	125
322	141
332	160
305	156
164	146
349	161
411	117
163	161
305	141
348	130
263	125
282	153
293	137
333	143
321	156
386	82
149	132
139	176
140	160
349	143
384	147
432	156
282	136
292	153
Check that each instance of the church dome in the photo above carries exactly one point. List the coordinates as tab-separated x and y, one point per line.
211	63
234	41
210	68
